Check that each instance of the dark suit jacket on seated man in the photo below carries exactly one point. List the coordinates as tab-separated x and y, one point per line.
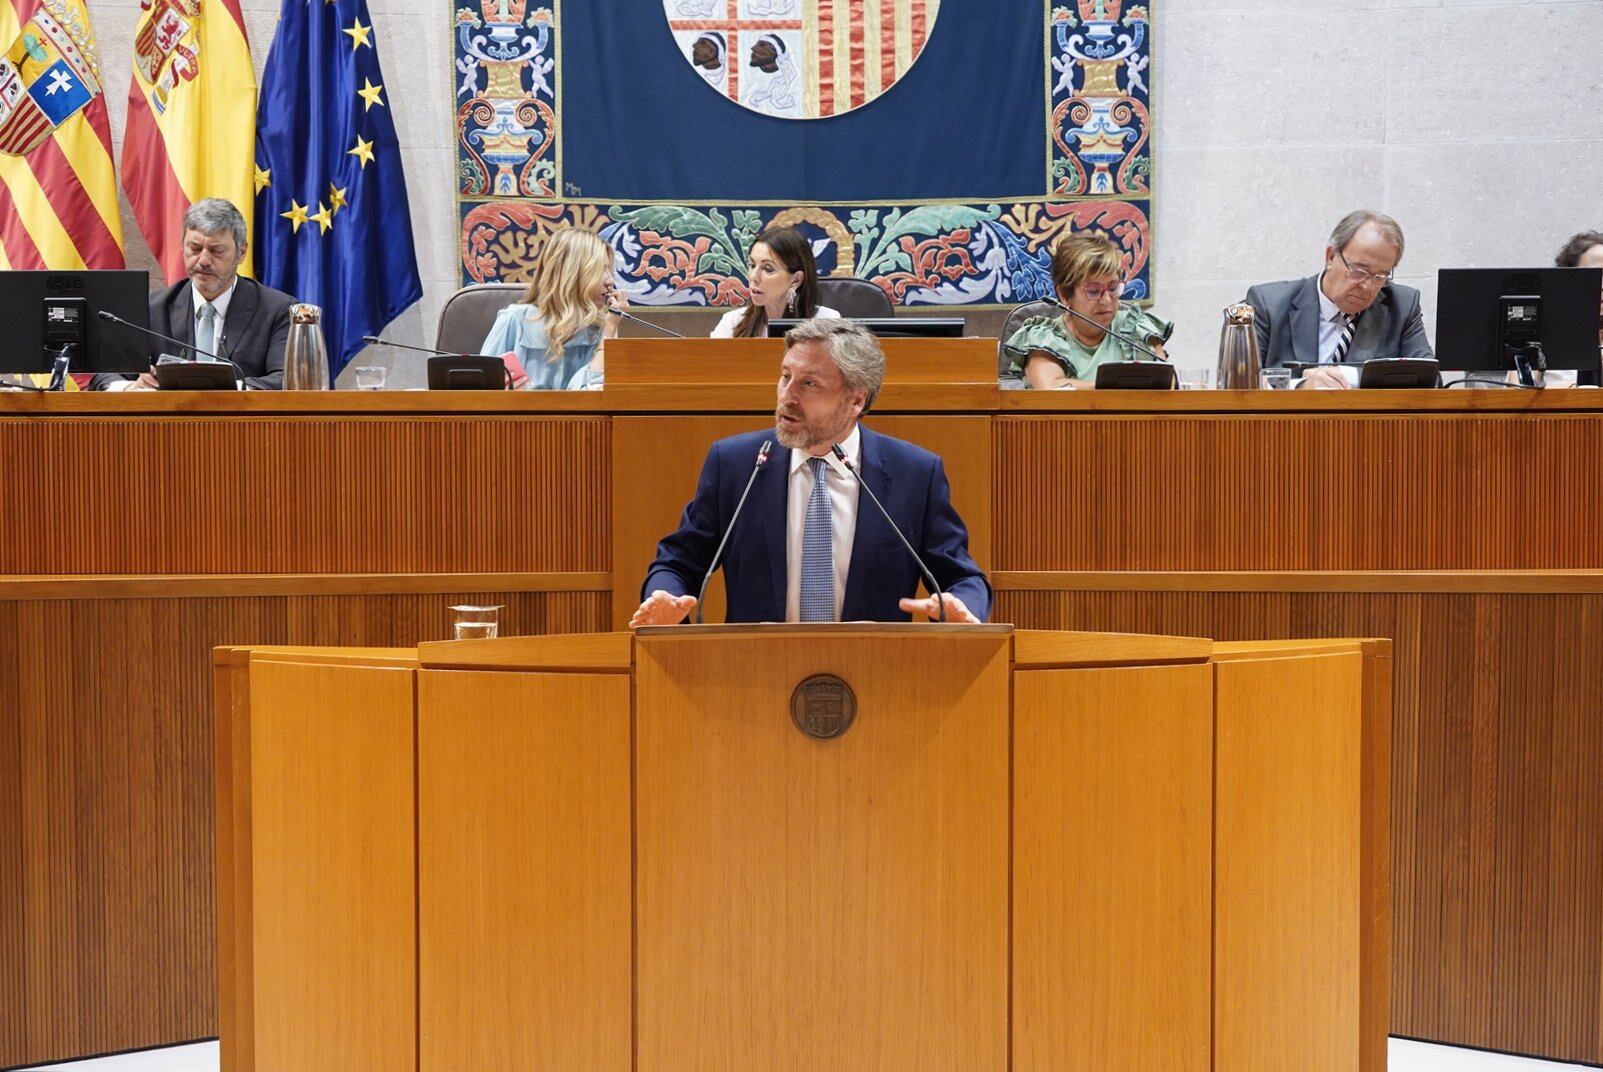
240	318
1349	313
802	551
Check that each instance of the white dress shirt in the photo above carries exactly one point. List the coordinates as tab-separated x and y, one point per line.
220	303
843	518
1332	322
727	323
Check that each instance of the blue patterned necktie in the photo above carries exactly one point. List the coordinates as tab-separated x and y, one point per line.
818	552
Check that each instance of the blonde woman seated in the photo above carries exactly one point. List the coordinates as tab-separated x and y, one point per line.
559	328
783	283
1065	351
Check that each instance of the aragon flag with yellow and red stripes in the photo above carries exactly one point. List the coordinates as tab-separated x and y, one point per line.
58	188
191	119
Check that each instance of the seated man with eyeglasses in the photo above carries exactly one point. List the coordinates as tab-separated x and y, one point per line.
1053	352
1347	314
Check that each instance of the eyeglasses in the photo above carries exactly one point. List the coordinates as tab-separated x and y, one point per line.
1363	276
1096	291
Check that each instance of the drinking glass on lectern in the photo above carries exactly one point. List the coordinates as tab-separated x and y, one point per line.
476	623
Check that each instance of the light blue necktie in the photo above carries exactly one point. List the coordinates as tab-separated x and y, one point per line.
206	332
818	552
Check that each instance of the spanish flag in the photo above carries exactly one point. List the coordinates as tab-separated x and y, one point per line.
58	188
191	119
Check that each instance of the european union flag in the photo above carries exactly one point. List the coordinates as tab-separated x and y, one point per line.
332	224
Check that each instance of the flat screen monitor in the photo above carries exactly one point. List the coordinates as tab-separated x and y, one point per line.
41	309
892	327
1482	312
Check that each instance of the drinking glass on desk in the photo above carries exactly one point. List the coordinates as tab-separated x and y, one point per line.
1275	378
476	623
370	377
1195	379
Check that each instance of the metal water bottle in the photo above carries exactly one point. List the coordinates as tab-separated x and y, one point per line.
305	355
1239	367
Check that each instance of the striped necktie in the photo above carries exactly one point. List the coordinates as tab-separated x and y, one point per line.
1345	341
818	552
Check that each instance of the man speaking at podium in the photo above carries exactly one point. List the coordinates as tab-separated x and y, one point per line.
808	543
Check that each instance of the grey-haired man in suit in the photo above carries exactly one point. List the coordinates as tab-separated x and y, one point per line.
1348	313
216	309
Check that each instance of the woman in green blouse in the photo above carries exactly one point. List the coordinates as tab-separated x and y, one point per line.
1064	351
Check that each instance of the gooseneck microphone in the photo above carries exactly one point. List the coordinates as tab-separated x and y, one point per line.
1104	327
929	578
374	340
762	459
638	320
219	358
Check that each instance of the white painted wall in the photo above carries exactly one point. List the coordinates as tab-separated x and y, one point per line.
1478	124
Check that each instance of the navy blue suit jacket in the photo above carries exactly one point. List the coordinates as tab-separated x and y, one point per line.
909	480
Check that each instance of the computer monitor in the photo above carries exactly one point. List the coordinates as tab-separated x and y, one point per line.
1487	316
44	311
892	327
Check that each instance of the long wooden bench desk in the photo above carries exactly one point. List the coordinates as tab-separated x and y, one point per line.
141	531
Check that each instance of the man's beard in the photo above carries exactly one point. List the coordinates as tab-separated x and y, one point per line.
810	434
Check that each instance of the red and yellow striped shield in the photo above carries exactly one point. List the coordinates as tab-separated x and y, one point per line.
801	59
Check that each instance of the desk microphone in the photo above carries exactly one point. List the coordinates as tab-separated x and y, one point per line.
654	327
762	459
929	578
1121	337
374	340
221	359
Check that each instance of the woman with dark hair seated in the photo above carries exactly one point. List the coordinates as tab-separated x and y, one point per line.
783	283
1065	351
1585	250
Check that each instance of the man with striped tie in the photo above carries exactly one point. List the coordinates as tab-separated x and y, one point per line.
807	546
1349	313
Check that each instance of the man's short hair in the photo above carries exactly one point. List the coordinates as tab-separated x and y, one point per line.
853	348
1351	222
213	215
1576	248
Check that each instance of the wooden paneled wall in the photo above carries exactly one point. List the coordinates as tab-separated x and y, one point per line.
1377	491
1497	821
381	494
107	917
284	520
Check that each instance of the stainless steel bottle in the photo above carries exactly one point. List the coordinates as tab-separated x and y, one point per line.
305	355
1239	367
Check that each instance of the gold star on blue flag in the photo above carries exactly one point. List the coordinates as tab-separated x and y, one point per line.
356	260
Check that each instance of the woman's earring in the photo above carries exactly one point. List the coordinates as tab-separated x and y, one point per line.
790	298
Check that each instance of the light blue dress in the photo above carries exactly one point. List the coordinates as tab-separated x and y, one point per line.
520	329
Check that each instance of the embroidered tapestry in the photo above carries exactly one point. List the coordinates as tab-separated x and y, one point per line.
934	147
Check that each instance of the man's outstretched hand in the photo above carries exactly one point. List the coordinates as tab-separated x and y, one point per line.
664	609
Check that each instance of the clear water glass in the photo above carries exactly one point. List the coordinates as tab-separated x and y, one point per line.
370	377
476	623
1195	379
1275	379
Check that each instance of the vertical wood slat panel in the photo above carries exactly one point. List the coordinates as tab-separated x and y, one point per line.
1497	825
107	918
13	928
306	495
1283	492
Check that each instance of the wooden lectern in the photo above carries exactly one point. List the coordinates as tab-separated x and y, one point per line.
805	848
